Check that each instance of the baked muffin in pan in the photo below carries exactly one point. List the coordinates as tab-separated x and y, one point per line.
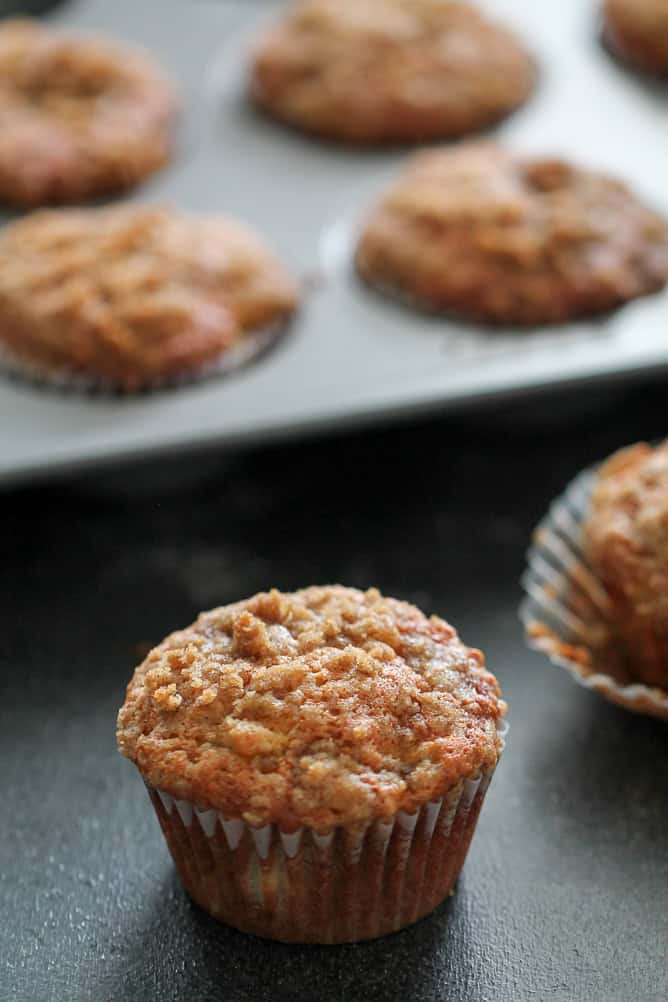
499	238
79	116
133	297
389	71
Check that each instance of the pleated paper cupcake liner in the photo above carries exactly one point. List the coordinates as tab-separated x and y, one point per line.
565	611
303	886
63	380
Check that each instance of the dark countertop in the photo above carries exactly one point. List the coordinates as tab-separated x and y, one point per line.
565	892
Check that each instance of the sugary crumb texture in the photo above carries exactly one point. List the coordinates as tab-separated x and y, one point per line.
384	71
323	707
134	294
626	539
499	238
79	116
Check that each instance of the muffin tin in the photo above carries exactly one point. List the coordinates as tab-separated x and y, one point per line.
350	356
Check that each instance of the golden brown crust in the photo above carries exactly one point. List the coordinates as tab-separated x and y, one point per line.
493	237
379	71
626	540
638	30
324	707
133	295
79	117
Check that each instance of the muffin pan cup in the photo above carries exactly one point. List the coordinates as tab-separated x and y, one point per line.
565	608
352	356
336	887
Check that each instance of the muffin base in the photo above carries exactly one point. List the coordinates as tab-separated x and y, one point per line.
567	612
304	887
251	347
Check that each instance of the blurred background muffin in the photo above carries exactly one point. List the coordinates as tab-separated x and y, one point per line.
494	237
79	116
638	31
133	296
389	71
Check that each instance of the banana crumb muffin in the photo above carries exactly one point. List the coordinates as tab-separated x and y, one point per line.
79	117
132	296
332	744
388	71
638	31
626	542
502	239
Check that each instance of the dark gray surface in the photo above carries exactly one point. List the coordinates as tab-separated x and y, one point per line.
565	893
18	8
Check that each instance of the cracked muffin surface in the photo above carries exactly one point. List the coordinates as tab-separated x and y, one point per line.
132	295
626	541
389	71
321	707
79	116
498	238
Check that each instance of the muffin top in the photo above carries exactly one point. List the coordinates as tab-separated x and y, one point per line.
322	707
131	294
478	231
79	116
377	71
626	534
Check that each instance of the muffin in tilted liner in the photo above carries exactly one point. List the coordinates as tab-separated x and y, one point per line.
317	760
597	581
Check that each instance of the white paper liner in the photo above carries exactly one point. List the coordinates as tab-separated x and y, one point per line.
328	887
253	345
565	608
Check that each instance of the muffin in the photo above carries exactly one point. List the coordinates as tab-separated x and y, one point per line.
317	760
638	31
79	117
389	71
626	543
492	237
133	296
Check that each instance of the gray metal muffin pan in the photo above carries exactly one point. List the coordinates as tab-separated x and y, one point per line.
350	356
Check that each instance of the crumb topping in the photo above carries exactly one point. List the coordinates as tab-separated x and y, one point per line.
625	538
627	529
506	239
321	707
133	293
